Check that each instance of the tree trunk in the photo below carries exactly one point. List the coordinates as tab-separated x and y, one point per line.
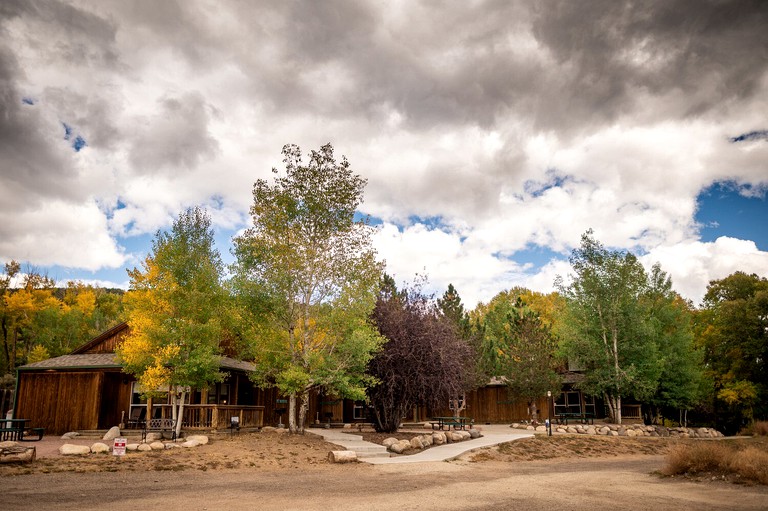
292	413
180	415
459	405
303	407
533	411
614	407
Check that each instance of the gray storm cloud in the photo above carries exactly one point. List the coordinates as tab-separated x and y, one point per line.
453	112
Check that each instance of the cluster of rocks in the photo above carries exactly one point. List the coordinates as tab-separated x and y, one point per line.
420	442
154	442
630	430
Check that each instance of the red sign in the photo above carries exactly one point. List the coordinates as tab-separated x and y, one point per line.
118	449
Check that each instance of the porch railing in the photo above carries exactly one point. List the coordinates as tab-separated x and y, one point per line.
211	416
220	416
631	412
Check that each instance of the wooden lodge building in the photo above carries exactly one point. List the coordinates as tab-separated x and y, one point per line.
88	390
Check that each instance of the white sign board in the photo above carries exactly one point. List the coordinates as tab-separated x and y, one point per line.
118	449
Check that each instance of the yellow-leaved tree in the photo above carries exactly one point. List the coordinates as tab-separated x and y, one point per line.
306	278
174	310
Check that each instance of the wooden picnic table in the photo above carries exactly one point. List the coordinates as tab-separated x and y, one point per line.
583	418
15	430
452	422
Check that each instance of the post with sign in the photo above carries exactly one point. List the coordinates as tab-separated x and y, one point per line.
234	424
118	448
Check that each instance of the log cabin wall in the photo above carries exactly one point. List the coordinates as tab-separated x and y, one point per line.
493	404
60	401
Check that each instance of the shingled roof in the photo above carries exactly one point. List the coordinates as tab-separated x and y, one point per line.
80	358
109	360
88	360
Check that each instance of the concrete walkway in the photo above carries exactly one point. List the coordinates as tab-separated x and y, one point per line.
377	454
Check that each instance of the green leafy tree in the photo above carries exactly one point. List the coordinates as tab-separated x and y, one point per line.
681	383
451	307
308	271
174	310
520	349
605	328
733	332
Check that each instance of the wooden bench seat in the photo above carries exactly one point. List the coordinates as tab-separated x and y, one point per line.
159	425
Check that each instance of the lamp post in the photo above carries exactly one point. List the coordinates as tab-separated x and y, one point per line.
549	412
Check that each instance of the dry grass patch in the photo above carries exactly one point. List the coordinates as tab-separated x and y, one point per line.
543	447
737	461
760	428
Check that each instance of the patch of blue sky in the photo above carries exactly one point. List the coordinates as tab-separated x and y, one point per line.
137	246
223	241
752	135
532	257
430	222
727	209
553	179
77	142
372	220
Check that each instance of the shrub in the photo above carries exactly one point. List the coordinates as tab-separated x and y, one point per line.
760	428
699	457
751	464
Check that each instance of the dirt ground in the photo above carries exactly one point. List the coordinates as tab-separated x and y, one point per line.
271	471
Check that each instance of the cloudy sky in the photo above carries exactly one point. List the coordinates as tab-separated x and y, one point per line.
492	133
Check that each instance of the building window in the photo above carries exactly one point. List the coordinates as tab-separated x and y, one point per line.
358	411
569	403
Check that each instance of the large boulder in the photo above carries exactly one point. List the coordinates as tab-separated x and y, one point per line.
400	447
416	443
202	439
475	433
71	449
153	436
157	445
70	435
143	448
438	438
99	447
110	435
388	442
191	443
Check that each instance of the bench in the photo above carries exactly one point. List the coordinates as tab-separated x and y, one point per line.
11	434
16	429
159	425
34	431
452	422
583	418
